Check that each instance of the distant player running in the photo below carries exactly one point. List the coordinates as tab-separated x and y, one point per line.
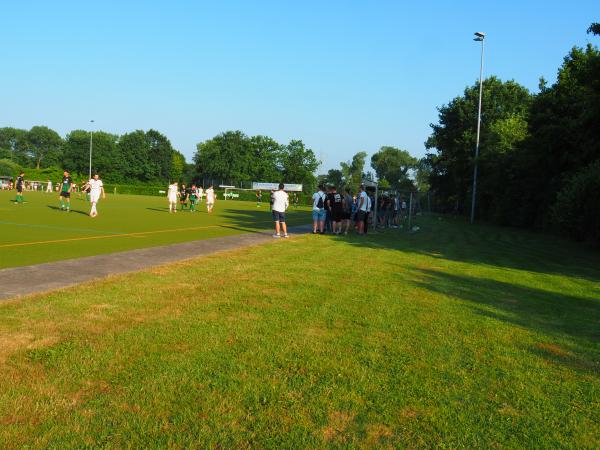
172	195
95	187
210	199
19	186
66	185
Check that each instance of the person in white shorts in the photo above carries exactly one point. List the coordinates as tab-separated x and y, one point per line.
200	194
172	194
210	198
49	187
96	188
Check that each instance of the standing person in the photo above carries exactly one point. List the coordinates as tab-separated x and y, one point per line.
295	199
348	206
281	202
193	198
258	198
95	187
395	211
183	196
49	187
335	206
361	209
272	198
327	212
210	199
19	186
369	215
172	194
318	210
66	185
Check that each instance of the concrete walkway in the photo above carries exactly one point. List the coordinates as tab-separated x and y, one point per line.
18	281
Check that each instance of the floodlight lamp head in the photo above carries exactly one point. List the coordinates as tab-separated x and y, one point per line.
479	35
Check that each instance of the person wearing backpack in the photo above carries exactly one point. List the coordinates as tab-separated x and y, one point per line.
318	210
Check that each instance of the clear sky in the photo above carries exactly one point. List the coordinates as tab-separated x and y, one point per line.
343	76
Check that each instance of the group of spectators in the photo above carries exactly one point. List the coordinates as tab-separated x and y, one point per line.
339	212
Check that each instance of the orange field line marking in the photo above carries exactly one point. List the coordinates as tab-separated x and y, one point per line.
85	238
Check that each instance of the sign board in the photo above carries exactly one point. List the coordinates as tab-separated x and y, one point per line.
268	186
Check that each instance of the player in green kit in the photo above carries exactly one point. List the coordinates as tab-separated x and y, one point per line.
65	192
19	186
193	198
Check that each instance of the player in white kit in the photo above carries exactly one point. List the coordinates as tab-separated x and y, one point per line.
96	188
172	195
210	199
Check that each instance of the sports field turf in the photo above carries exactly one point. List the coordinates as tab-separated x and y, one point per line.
456	336
38	231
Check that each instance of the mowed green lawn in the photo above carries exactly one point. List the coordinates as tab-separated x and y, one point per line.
456	336
38	231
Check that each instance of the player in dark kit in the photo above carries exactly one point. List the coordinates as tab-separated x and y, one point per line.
66	185
183	196
19	186
193	198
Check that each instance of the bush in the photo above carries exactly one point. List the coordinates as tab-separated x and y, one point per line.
576	211
9	168
133	189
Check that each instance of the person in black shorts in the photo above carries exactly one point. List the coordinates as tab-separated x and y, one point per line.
66	185
183	196
19	186
335	206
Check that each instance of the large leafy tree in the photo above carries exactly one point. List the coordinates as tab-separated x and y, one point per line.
264	155
394	166
226	157
505	110
42	146
354	171
298	165
13	145
147	156
106	159
178	166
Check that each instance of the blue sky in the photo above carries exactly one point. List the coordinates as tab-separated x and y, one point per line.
342	76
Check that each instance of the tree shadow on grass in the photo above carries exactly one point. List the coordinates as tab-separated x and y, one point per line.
455	240
555	315
250	220
76	211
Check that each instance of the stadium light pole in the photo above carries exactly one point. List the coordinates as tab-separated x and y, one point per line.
91	144
480	37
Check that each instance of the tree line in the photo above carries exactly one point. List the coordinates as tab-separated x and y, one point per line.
539	163
147	157
136	157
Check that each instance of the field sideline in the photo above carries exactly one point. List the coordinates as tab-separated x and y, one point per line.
38	231
456	336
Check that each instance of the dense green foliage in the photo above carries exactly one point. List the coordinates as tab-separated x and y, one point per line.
232	157
147	157
538	151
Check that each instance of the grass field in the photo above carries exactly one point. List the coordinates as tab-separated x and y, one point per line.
39	232
455	336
